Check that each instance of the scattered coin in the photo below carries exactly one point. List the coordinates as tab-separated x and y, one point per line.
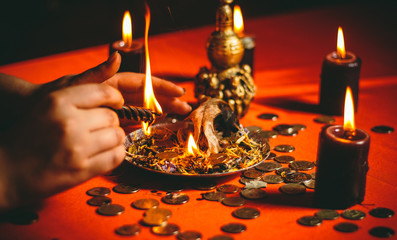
283	128
292	189
284	159
171	188
327	214
324	119
98	201
271	156
382	129
125	188
301	165
273	179
246	213
128	230
234	228
297	177
284	148
145	203
381	212
311	184
189	235
268	116
205	185
381	232
253	193
233	201
166	155
268	166
155	219
346	227
283	171
255	184
160	211
259	137
23	217
167	230
252	173
110	210
253	128
289	132
228	188
221	237
214	196
267	134
353	214
244	180
175	198
309	221
98	191
299	127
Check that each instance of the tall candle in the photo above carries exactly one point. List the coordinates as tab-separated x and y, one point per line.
132	52
340	69
342	163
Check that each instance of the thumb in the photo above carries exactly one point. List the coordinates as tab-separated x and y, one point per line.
99	73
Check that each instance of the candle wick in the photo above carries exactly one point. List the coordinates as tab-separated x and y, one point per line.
349	134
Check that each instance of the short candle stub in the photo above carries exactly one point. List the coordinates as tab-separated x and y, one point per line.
132	58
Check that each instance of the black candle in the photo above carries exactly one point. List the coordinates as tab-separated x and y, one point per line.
340	69
132	52
342	165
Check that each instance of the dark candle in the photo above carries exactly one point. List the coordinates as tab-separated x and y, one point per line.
340	69
132	52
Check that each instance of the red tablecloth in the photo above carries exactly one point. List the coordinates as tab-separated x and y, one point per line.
289	52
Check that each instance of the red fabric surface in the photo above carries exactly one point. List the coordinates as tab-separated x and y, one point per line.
289	52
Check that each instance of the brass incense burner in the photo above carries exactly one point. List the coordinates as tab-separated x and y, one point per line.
226	79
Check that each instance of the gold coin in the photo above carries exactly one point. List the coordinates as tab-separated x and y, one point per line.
145	203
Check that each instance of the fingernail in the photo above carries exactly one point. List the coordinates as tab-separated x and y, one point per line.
112	57
184	91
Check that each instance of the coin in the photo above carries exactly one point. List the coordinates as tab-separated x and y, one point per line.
381	212
381	232
98	191
234	228
214	196
253	193
205	185
23	217
284	159
167	230
246	213
175	198
98	201
174	187
258	138
346	227
273	179
382	129
309	221
268	166
253	128
310	183
145	203
166	155
292	189
228	188
221	237
298	126
267	133
289	132
271	156
158	211
283	128
189	235
327	214
125	188
301	165
244	180
128	230
252	173
353	214
110	210
154	219
284	148
324	119
268	116
297	177
283	171
233	201
255	184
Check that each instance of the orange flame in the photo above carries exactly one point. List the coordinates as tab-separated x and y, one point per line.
348	123
149	100
238	20
191	146
127	29
340	46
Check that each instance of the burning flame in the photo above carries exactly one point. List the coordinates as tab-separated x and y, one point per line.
191	146
238	21
127	29
348	123
340	46
149	100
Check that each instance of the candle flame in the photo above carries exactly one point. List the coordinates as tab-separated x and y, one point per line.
340	46
149	100
127	29
238	20
348	125
191	146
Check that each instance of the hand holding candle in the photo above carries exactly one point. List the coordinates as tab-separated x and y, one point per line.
340	69
342	163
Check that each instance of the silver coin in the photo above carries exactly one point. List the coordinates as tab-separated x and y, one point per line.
234	228
175	198
301	165
253	193
284	159
284	148
353	214
273	179
110	210
327	214
246	213
98	191
292	189
268	166
310	221
346	227
255	184
128	230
